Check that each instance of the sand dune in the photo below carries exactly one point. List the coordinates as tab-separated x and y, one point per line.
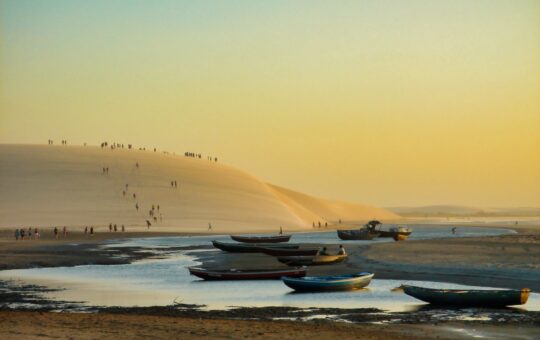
64	185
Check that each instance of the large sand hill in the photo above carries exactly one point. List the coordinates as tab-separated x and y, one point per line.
43	185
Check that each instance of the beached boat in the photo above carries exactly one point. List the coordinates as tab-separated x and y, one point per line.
403	231
469	298
289	252
262	239
329	283
311	260
246	274
358	234
249	248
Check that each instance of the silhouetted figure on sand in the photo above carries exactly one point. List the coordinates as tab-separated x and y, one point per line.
123	228
134	195
280	231
209	226
56	233
110	227
137	206
85	230
148	224
115	228
91	231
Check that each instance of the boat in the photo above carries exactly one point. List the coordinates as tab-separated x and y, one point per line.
311	260
289	252
261	239
469	298
400	237
404	231
246	274
249	248
328	283
358	234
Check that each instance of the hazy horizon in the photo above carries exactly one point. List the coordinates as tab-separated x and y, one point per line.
386	103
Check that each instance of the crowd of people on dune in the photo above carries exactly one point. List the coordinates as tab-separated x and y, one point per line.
199	156
154	213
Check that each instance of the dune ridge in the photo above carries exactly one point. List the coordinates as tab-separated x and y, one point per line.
42	185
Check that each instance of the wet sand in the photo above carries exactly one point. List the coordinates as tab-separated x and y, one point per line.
34	325
74	249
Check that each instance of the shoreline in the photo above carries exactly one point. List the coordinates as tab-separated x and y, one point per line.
425	322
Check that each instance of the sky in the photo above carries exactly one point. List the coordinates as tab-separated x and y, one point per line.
390	103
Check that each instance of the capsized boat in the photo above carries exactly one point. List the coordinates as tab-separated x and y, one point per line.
290	252
311	260
469	298
250	248
358	234
262	239
329	283
246	274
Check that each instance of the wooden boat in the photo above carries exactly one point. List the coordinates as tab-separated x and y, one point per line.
469	298
358	234
400	237
328	283
249	248
249	274
311	260
404	231
262	239
289	252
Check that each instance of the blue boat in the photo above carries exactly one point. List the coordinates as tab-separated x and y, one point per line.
469	298
328	283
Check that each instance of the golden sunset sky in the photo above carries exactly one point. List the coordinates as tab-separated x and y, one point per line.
383	102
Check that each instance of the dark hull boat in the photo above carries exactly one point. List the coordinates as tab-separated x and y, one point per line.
289	252
262	239
311	260
329	283
255	274
469	298
361	234
249	248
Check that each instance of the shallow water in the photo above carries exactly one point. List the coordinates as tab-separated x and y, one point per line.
163	281
420	232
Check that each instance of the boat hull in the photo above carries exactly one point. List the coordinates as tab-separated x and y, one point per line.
311	260
249	248
289	252
469	298
329	283
386	233
400	237
261	239
357	234
246	274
